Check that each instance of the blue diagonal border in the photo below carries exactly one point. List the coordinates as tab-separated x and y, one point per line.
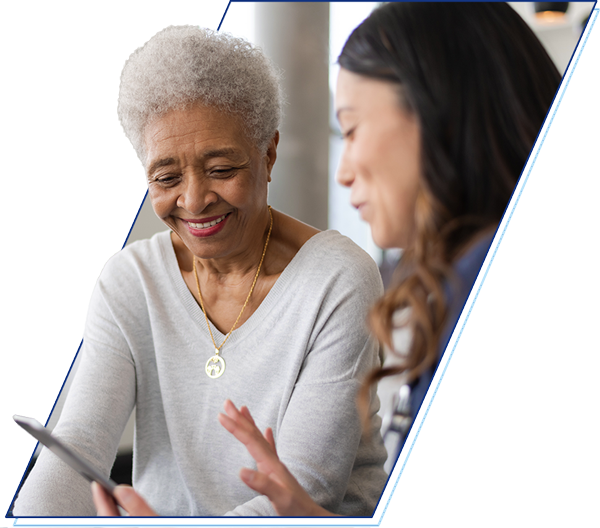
512	210
311	521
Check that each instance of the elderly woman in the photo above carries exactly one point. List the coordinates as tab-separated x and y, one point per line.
235	301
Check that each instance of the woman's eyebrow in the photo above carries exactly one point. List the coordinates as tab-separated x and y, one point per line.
217	153
160	163
343	109
214	153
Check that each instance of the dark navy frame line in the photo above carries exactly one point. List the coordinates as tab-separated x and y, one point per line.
592	19
590	22
12	502
135	219
310	522
81	342
223	17
583	29
371	1
146	193
275	522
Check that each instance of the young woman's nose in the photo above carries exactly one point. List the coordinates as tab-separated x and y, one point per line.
344	175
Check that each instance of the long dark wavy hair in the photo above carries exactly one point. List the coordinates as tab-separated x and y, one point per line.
480	84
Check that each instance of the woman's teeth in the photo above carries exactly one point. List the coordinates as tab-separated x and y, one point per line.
207	224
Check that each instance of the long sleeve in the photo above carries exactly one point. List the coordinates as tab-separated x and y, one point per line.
297	363
96	411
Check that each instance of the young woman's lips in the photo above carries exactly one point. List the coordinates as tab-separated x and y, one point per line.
206	227
360	207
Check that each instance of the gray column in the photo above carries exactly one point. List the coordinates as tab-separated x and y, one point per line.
295	36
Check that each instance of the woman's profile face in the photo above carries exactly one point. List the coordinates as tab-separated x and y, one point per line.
381	160
207	181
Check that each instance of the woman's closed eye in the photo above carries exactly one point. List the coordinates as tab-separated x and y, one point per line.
348	134
222	173
166	180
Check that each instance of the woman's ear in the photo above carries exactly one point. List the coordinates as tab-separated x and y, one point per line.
271	154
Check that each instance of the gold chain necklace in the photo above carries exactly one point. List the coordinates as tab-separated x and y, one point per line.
215	366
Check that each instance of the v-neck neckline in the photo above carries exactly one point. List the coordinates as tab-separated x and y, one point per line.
270	300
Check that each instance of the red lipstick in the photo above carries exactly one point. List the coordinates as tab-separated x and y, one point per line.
203	232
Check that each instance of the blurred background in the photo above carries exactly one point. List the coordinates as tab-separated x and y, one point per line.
304	40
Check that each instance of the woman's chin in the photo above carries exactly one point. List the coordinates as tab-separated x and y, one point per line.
384	240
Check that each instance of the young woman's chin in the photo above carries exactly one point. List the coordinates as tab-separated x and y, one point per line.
384	239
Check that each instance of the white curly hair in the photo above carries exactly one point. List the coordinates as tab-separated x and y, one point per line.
184	65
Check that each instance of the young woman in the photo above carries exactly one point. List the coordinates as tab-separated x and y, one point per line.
439	106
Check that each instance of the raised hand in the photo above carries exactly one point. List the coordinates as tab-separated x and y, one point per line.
272	478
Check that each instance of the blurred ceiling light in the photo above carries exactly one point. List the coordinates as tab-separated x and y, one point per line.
550	11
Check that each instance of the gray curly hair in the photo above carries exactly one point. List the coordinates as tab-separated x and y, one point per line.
183	65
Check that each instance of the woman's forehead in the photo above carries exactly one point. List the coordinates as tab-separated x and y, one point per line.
360	94
207	130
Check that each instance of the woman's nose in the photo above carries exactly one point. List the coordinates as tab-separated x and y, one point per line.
195	196
344	175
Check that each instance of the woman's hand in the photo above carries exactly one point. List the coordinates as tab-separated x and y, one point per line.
128	499
272	479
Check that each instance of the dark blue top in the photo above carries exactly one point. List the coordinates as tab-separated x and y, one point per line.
457	290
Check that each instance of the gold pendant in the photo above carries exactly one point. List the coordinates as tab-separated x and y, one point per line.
215	366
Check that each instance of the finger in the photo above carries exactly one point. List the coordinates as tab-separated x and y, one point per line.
105	504
246	414
133	503
245	431
238	415
256	444
242	417
261	448
270	439
240	428
231	409
227	422
261	483
234	419
287	500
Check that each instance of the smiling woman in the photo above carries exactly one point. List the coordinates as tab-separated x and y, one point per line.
235	301
205	177
382	159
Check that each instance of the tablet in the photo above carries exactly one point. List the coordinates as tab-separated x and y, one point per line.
84	468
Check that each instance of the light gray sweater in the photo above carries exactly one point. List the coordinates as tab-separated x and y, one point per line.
297	363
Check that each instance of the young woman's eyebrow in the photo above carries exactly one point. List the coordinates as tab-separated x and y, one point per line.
343	109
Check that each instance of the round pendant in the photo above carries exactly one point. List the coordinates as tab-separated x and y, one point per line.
215	366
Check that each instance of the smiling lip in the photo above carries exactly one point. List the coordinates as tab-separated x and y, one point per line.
205	227
360	207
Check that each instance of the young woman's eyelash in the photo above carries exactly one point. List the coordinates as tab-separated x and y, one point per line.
348	133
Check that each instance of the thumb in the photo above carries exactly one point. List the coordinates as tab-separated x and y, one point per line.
262	484
133	503
286	502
